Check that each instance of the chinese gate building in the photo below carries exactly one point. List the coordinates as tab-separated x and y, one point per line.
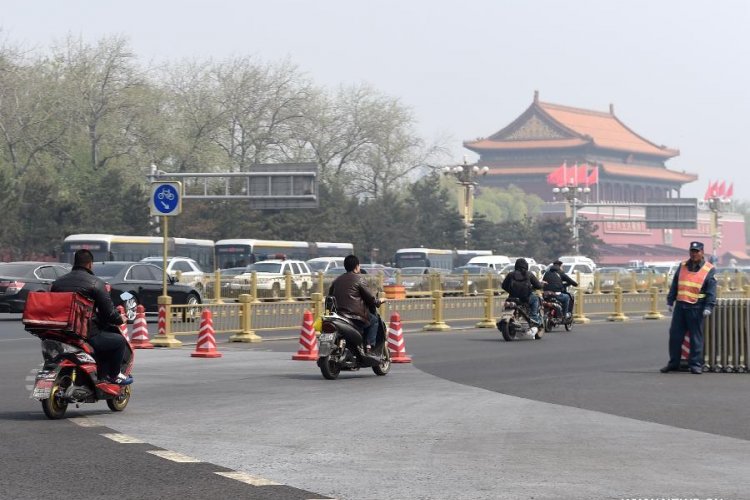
631	169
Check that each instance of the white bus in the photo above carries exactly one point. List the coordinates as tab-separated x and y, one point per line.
433	257
107	247
242	252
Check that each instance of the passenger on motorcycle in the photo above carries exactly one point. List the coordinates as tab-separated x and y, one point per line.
557	281
104	335
354	300
521	284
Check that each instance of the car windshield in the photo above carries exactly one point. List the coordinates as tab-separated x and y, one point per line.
469	269
106	270
233	271
267	267
317	266
335	271
412	271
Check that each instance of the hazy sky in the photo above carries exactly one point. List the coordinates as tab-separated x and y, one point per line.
676	71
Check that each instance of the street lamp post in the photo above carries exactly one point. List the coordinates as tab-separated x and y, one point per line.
465	175
571	196
717	205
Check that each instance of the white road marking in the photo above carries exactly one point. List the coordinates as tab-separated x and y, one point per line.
173	456
244	477
123	438
85	422
24	338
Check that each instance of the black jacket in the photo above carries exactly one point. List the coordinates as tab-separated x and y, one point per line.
83	281
523	278
352	296
557	280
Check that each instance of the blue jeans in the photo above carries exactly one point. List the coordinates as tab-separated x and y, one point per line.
564	300
371	330
686	318
534	308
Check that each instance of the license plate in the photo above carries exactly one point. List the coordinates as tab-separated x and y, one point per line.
43	386
326	337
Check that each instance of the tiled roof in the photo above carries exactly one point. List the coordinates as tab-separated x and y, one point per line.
486	144
656	173
605	129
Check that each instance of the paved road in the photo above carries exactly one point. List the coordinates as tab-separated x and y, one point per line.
580	415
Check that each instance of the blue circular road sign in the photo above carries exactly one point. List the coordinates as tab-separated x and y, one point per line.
166	198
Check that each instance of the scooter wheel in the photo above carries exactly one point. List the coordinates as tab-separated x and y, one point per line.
120	402
329	368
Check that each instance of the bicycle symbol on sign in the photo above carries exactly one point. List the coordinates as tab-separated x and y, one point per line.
165	193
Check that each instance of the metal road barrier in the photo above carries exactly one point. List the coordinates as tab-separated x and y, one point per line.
727	336
244	319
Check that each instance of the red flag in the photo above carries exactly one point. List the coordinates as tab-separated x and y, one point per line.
555	177
582	174
719	191
730	191
709	189
593	177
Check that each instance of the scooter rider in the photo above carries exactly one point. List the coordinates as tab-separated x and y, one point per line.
354	299
104	335
521	284
557	281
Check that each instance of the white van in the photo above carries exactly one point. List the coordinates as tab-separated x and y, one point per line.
577	259
323	264
496	262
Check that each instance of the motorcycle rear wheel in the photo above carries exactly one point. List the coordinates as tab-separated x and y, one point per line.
120	402
54	407
568	324
509	333
548	324
329	368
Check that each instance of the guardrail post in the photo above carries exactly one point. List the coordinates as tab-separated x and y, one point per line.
319	279
597	283
747	291
246	334
217	287
465	284
288	287
654	312
164	336
489	313
437	313
490	281
254	286
317	300
724	282
578	316
398	277
633	282
649	282
618	315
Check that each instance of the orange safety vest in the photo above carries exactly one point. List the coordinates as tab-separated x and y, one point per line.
689	283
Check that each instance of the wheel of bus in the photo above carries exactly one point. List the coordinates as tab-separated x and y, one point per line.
276	291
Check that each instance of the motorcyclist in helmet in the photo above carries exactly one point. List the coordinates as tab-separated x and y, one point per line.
520	283
557	281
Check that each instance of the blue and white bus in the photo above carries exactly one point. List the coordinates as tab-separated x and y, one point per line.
108	247
243	252
434	257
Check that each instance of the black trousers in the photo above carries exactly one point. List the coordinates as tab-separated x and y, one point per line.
109	351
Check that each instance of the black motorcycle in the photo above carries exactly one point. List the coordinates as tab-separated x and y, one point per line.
515	321
553	314
341	345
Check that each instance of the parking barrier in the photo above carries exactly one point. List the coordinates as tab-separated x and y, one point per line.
618	314
164	336
437	323
246	333
726	336
578	316
489	316
654	312
597	283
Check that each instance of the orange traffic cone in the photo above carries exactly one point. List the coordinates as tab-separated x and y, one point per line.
396	340
685	354
124	326
139	336
308	350
206	346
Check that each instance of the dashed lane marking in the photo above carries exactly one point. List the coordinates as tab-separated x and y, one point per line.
85	422
123	438
248	478
173	456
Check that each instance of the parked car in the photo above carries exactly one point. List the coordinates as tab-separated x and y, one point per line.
271	276
185	270
609	277
323	264
417	279
477	279
17	279
586	277
376	269
144	282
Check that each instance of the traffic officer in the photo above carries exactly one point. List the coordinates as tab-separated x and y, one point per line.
691	298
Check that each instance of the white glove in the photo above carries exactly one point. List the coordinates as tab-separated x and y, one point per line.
706	313
670	309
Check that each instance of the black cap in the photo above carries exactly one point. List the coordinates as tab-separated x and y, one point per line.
696	245
558	262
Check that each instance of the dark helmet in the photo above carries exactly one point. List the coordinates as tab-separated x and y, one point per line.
521	265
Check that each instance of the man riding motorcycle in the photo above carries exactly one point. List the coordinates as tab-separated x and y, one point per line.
104	335
557	281
520	283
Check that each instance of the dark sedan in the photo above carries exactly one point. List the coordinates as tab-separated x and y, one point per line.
17	279
144	282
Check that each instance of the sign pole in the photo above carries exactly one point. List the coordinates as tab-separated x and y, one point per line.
165	228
